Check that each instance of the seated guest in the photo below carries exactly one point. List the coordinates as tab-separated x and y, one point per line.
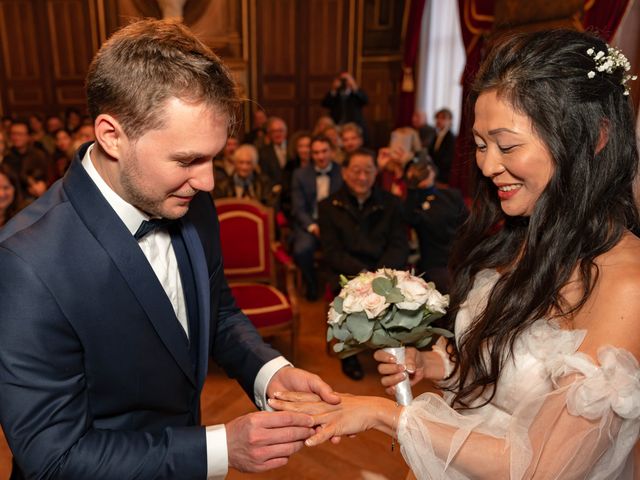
257	135
223	163
23	155
299	156
246	181
333	134
361	228
53	123
63	153
273	157
436	214
392	163
37	182
310	185
442	150
3	145
322	124
425	131
39	137
72	119
351	137
406	138
10	194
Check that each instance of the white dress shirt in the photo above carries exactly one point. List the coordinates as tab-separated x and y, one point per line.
158	250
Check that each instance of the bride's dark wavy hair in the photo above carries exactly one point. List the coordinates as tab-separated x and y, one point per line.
583	212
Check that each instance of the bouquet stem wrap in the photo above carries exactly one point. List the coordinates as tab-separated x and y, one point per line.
403	389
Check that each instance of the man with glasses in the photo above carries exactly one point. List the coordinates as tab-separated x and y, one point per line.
361	228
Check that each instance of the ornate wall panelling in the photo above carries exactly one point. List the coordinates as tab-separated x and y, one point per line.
300	46
381	26
46	48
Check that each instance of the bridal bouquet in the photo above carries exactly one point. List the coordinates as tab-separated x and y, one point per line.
388	308
385	309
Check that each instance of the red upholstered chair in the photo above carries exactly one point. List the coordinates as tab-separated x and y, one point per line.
261	275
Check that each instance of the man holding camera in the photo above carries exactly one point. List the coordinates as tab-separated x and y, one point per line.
345	101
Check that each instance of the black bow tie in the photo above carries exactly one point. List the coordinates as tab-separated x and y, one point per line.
148	226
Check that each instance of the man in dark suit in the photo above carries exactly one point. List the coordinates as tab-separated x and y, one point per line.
106	324
442	150
273	157
361	228
310	185
436	214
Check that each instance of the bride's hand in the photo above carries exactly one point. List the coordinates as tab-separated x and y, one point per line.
393	373
354	414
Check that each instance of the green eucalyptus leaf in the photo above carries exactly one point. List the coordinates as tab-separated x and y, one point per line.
382	340
360	326
394	296
329	333
442	332
409	337
337	304
338	347
424	342
341	332
343	280
381	286
408	319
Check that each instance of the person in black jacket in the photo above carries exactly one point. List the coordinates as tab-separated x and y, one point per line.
361	228
345	101
436	214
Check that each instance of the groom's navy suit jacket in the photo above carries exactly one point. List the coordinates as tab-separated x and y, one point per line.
97	377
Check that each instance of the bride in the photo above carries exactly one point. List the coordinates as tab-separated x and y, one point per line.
542	380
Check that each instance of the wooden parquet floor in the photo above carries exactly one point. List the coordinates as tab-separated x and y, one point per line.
366	457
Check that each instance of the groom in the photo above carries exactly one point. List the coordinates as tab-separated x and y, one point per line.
112	292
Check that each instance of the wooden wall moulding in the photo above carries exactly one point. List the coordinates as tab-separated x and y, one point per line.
46	45
382	26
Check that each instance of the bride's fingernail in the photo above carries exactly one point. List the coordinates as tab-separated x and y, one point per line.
308	442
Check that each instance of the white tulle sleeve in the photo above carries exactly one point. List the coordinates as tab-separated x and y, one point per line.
584	426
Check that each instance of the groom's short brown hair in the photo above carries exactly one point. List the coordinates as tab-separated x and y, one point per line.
150	61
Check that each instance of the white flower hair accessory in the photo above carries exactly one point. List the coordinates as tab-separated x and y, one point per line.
612	61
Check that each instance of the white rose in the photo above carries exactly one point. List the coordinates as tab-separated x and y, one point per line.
436	302
352	304
359	286
374	305
415	291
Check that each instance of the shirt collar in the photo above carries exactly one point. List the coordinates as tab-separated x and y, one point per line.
130	215
325	170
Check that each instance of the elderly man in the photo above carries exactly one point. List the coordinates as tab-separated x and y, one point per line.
245	181
361	228
273	157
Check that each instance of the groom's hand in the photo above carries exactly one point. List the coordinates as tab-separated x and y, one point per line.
296	380
260	441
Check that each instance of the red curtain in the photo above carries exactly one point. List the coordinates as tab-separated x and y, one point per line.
476	19
406	103
604	16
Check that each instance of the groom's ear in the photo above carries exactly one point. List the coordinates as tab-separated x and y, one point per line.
111	136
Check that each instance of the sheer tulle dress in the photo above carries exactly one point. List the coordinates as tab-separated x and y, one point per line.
556	414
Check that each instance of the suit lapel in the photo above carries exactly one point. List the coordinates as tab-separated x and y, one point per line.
115	238
201	277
